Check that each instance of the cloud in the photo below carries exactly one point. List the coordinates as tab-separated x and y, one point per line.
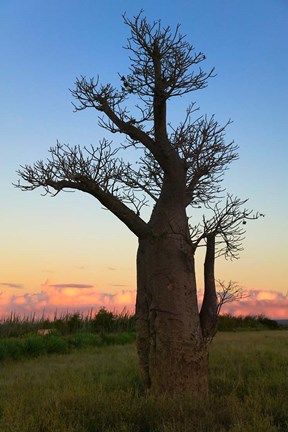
272	304
82	297
11	285
71	285
65	297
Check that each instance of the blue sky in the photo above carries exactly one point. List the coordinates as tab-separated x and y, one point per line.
45	45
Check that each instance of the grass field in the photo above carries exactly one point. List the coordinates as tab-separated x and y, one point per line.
98	389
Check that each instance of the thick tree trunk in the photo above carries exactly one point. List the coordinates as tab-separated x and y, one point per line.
172	353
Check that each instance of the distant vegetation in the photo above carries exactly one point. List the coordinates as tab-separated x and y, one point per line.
104	322
241	323
19	336
69	323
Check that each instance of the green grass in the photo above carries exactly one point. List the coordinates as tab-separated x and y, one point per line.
34	345
98	389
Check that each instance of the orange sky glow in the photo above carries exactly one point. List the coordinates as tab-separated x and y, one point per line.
62	298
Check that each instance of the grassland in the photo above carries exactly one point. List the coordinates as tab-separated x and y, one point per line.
97	388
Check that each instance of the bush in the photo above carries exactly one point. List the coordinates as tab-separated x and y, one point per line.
118	338
82	340
268	323
14	348
103	321
34	346
55	344
3	352
239	323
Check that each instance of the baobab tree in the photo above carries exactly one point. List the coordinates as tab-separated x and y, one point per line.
179	167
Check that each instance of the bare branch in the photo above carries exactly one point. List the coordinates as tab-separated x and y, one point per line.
95	172
151	42
162	66
140	180
201	145
226	225
229	293
107	99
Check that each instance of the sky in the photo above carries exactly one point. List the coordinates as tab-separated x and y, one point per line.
69	253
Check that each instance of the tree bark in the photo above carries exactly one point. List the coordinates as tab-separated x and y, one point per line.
172	353
208	314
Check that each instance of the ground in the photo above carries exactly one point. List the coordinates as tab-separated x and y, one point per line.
98	389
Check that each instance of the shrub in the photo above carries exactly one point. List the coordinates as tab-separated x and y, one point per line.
235	323
268	323
55	344
103	321
118	338
14	348
3	352
82	340
34	346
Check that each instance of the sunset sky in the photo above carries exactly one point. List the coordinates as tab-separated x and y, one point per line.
68	252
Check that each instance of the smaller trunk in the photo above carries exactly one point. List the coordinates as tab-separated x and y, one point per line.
208	314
